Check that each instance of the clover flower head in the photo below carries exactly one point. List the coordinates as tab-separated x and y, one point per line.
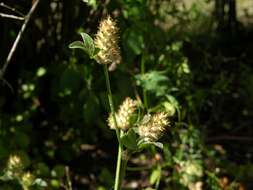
153	129
124	114
107	41
14	162
27	179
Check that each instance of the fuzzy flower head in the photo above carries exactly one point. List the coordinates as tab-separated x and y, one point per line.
27	179
107	41
190	170
14	162
124	114
153	128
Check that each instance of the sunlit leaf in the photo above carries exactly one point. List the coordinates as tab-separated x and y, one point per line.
88	44
156	175
7	176
155	81
143	144
77	45
40	182
129	140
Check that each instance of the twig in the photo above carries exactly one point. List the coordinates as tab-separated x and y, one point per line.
12	9
7	83
11	16
17	40
69	185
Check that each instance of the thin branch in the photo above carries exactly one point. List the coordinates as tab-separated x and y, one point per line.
11	16
7	83
69	183
17	40
12	9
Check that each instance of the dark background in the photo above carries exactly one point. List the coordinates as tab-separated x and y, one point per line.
58	119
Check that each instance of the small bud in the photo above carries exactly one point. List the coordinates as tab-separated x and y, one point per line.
107	41
154	128
124	114
190	170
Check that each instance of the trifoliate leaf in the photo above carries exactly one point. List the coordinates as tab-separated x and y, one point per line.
129	140
143	143
88	44
77	45
155	82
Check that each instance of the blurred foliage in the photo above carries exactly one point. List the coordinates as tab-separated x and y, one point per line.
176	58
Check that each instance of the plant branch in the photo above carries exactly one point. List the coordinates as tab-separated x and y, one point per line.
12	9
69	183
7	83
3	15
17	40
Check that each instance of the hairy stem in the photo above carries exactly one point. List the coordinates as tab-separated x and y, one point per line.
118	176
119	133
125	159
111	104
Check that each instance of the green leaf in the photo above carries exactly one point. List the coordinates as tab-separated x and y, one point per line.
142	144
175	103
155	82
42	169
173	100
134	40
106	177
157	144
77	45
58	171
88	44
95	52
7	176
129	140
55	183
169	108
40	182
156	174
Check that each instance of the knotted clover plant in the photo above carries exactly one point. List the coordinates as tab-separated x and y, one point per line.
16	171
134	130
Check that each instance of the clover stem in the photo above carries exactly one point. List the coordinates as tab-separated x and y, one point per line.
119	133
